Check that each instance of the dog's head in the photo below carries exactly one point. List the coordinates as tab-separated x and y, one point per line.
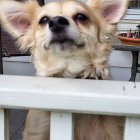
66	28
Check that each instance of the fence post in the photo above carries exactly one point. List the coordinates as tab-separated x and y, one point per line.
61	126
2	128
132	129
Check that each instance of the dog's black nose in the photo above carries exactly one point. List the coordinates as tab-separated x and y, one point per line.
58	24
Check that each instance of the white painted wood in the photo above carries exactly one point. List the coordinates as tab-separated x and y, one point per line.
2	134
61	126
127	26
133	11
129	21
132	17
23	59
125	57
72	95
132	129
121	69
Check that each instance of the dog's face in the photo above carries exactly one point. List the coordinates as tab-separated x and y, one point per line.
63	31
68	25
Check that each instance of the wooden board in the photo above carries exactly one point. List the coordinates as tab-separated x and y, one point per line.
2	128
70	95
61	126
132	129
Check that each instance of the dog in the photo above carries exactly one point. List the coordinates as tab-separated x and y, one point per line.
68	39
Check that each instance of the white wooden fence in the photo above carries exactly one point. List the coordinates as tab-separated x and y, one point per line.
66	96
129	21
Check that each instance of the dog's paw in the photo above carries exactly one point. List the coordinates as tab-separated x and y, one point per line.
103	73
97	73
89	73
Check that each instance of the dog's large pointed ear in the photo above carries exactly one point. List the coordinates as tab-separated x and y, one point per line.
111	10
16	17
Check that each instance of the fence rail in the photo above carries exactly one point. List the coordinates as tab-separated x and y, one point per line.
67	96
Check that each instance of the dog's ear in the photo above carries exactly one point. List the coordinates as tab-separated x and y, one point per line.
16	17
111	10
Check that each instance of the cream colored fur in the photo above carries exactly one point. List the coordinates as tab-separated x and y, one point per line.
89	60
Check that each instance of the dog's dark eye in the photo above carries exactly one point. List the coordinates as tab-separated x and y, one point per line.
80	17
43	20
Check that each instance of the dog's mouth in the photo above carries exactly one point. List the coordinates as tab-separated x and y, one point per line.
65	43
62	41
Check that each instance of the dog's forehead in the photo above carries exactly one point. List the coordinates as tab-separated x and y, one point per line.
64	8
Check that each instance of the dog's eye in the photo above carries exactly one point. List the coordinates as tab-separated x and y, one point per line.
80	17
43	20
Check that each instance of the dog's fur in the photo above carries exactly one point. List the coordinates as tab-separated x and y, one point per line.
81	50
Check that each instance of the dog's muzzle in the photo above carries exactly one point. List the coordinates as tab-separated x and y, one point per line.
59	28
60	34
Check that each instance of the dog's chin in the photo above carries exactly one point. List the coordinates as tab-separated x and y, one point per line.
65	44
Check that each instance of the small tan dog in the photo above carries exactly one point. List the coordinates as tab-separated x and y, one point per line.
67	39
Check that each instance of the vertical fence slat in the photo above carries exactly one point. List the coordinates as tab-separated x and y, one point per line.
2	124
132	129
61	126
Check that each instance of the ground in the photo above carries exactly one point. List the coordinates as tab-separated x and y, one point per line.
17	121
